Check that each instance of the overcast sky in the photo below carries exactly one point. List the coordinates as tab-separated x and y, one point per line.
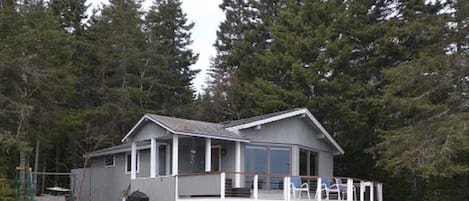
207	17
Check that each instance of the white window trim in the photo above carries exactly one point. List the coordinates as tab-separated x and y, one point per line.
126	161
113	161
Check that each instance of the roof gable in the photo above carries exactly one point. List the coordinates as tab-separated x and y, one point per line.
268	118
187	127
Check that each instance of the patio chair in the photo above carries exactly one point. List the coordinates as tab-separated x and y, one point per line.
296	186
342	188
328	188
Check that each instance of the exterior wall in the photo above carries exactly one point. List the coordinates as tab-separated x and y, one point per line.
144	170
326	164
199	185
107	183
157	189
147	131
296	132
228	159
81	183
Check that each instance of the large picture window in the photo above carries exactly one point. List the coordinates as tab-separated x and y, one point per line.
270	162
128	161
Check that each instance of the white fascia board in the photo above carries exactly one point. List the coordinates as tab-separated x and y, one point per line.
115	151
135	127
324	131
267	120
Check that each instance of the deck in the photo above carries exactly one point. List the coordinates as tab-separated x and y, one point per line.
220	186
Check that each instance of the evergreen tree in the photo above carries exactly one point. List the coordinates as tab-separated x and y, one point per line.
166	75
117	46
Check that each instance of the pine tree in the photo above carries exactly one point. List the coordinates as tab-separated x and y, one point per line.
116	53
167	75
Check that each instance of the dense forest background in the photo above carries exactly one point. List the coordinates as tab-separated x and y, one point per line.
389	79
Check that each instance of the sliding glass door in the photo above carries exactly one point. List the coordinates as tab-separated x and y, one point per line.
271	163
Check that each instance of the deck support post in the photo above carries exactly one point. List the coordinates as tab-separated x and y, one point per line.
175	154
349	189
237	164
362	191
133	161
208	154
318	190
256	186
222	185
153	158
286	189
372	191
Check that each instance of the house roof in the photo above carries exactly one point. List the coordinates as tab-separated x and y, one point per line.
225	130
196	127
189	128
117	149
228	124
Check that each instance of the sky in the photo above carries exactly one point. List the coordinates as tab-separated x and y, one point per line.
207	16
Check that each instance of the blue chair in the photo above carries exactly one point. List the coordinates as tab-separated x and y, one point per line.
328	188
296	186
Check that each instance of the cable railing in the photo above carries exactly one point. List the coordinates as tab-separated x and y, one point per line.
276	187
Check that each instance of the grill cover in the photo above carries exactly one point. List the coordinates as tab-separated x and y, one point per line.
138	196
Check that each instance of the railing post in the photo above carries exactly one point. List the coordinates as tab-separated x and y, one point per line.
286	188
349	189
372	191
380	192
362	190
255	190
318	189
222	185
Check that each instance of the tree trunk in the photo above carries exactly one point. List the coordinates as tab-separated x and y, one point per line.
36	165
419	187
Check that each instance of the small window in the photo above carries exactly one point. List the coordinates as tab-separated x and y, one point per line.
109	161
128	160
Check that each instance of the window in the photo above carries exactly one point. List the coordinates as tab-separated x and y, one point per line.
128	160
308	163
267	160
109	161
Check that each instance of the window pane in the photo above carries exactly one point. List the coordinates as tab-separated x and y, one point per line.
256	162
279	165
303	162
128	166
256	159
312	164
109	161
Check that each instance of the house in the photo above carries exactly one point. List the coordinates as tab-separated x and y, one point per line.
170	159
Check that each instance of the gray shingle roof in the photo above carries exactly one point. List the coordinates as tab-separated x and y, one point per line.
228	124
116	149
195	127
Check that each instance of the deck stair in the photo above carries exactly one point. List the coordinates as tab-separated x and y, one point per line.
230	191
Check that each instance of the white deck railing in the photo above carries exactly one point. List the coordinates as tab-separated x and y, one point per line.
213	184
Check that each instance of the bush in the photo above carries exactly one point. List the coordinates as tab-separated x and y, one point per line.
7	193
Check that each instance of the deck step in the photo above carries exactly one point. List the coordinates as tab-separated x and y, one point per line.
236	192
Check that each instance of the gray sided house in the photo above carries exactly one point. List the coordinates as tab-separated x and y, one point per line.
170	158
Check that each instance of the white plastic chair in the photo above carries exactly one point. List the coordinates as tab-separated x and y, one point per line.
297	187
